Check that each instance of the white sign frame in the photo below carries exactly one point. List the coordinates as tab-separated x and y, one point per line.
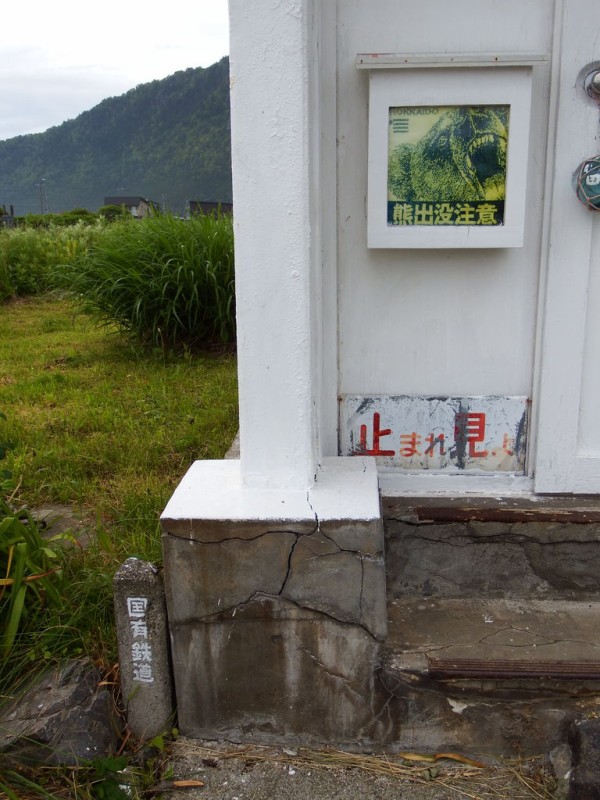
436	85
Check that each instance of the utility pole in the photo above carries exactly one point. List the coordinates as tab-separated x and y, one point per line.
43	197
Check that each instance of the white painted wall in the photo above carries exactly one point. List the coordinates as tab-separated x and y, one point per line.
568	458
434	322
320	315
588	440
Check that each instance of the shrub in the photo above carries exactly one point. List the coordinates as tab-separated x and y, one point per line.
62	220
29	256
165	280
112	213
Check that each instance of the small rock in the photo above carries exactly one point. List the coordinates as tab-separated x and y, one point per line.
61	717
585	746
560	762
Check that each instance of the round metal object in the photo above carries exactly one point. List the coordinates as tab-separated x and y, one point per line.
586	182
592	84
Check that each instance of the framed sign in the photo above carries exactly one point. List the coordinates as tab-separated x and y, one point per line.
448	155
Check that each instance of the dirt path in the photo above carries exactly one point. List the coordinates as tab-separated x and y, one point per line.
229	772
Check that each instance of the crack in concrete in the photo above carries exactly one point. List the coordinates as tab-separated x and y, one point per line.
332	673
385	708
318	529
540	559
249	538
217	617
508	629
334	543
473	538
289	566
430	649
310	505
362	586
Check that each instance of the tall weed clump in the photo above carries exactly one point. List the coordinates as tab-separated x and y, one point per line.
29	257
30	571
6	289
166	281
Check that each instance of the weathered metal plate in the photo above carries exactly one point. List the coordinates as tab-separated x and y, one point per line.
449	434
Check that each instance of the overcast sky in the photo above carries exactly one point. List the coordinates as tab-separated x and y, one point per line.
61	57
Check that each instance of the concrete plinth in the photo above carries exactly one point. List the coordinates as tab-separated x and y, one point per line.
272	671
276	603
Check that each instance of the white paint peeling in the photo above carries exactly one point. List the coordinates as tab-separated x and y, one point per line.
457	706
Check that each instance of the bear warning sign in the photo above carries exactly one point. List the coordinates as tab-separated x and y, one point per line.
447	165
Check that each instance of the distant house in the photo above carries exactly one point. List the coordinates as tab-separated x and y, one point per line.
138	207
7	218
210	207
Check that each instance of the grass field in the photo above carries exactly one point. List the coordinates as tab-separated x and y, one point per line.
109	430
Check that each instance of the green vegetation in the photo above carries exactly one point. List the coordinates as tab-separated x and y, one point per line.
31	571
112	213
108	430
64	220
29	256
167	140
102	427
166	281
121	777
6	287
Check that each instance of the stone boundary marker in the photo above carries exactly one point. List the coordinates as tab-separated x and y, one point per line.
141	622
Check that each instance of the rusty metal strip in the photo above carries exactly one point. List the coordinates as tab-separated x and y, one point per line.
473	668
579	511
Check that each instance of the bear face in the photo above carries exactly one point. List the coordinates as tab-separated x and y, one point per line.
462	157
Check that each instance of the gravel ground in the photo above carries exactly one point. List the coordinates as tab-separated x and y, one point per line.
229	772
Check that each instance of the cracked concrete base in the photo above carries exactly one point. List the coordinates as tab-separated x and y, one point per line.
276	603
494	559
308	569
272	671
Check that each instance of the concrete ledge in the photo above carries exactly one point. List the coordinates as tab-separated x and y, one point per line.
212	500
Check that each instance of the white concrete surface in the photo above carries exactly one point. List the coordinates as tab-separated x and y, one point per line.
345	489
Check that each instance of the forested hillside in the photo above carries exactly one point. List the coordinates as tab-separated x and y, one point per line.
168	140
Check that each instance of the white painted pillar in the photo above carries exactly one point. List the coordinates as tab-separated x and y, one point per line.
271	77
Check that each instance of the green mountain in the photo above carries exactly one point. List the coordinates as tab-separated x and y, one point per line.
168	140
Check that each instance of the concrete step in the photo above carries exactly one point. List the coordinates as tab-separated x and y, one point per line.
496	638
490	675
